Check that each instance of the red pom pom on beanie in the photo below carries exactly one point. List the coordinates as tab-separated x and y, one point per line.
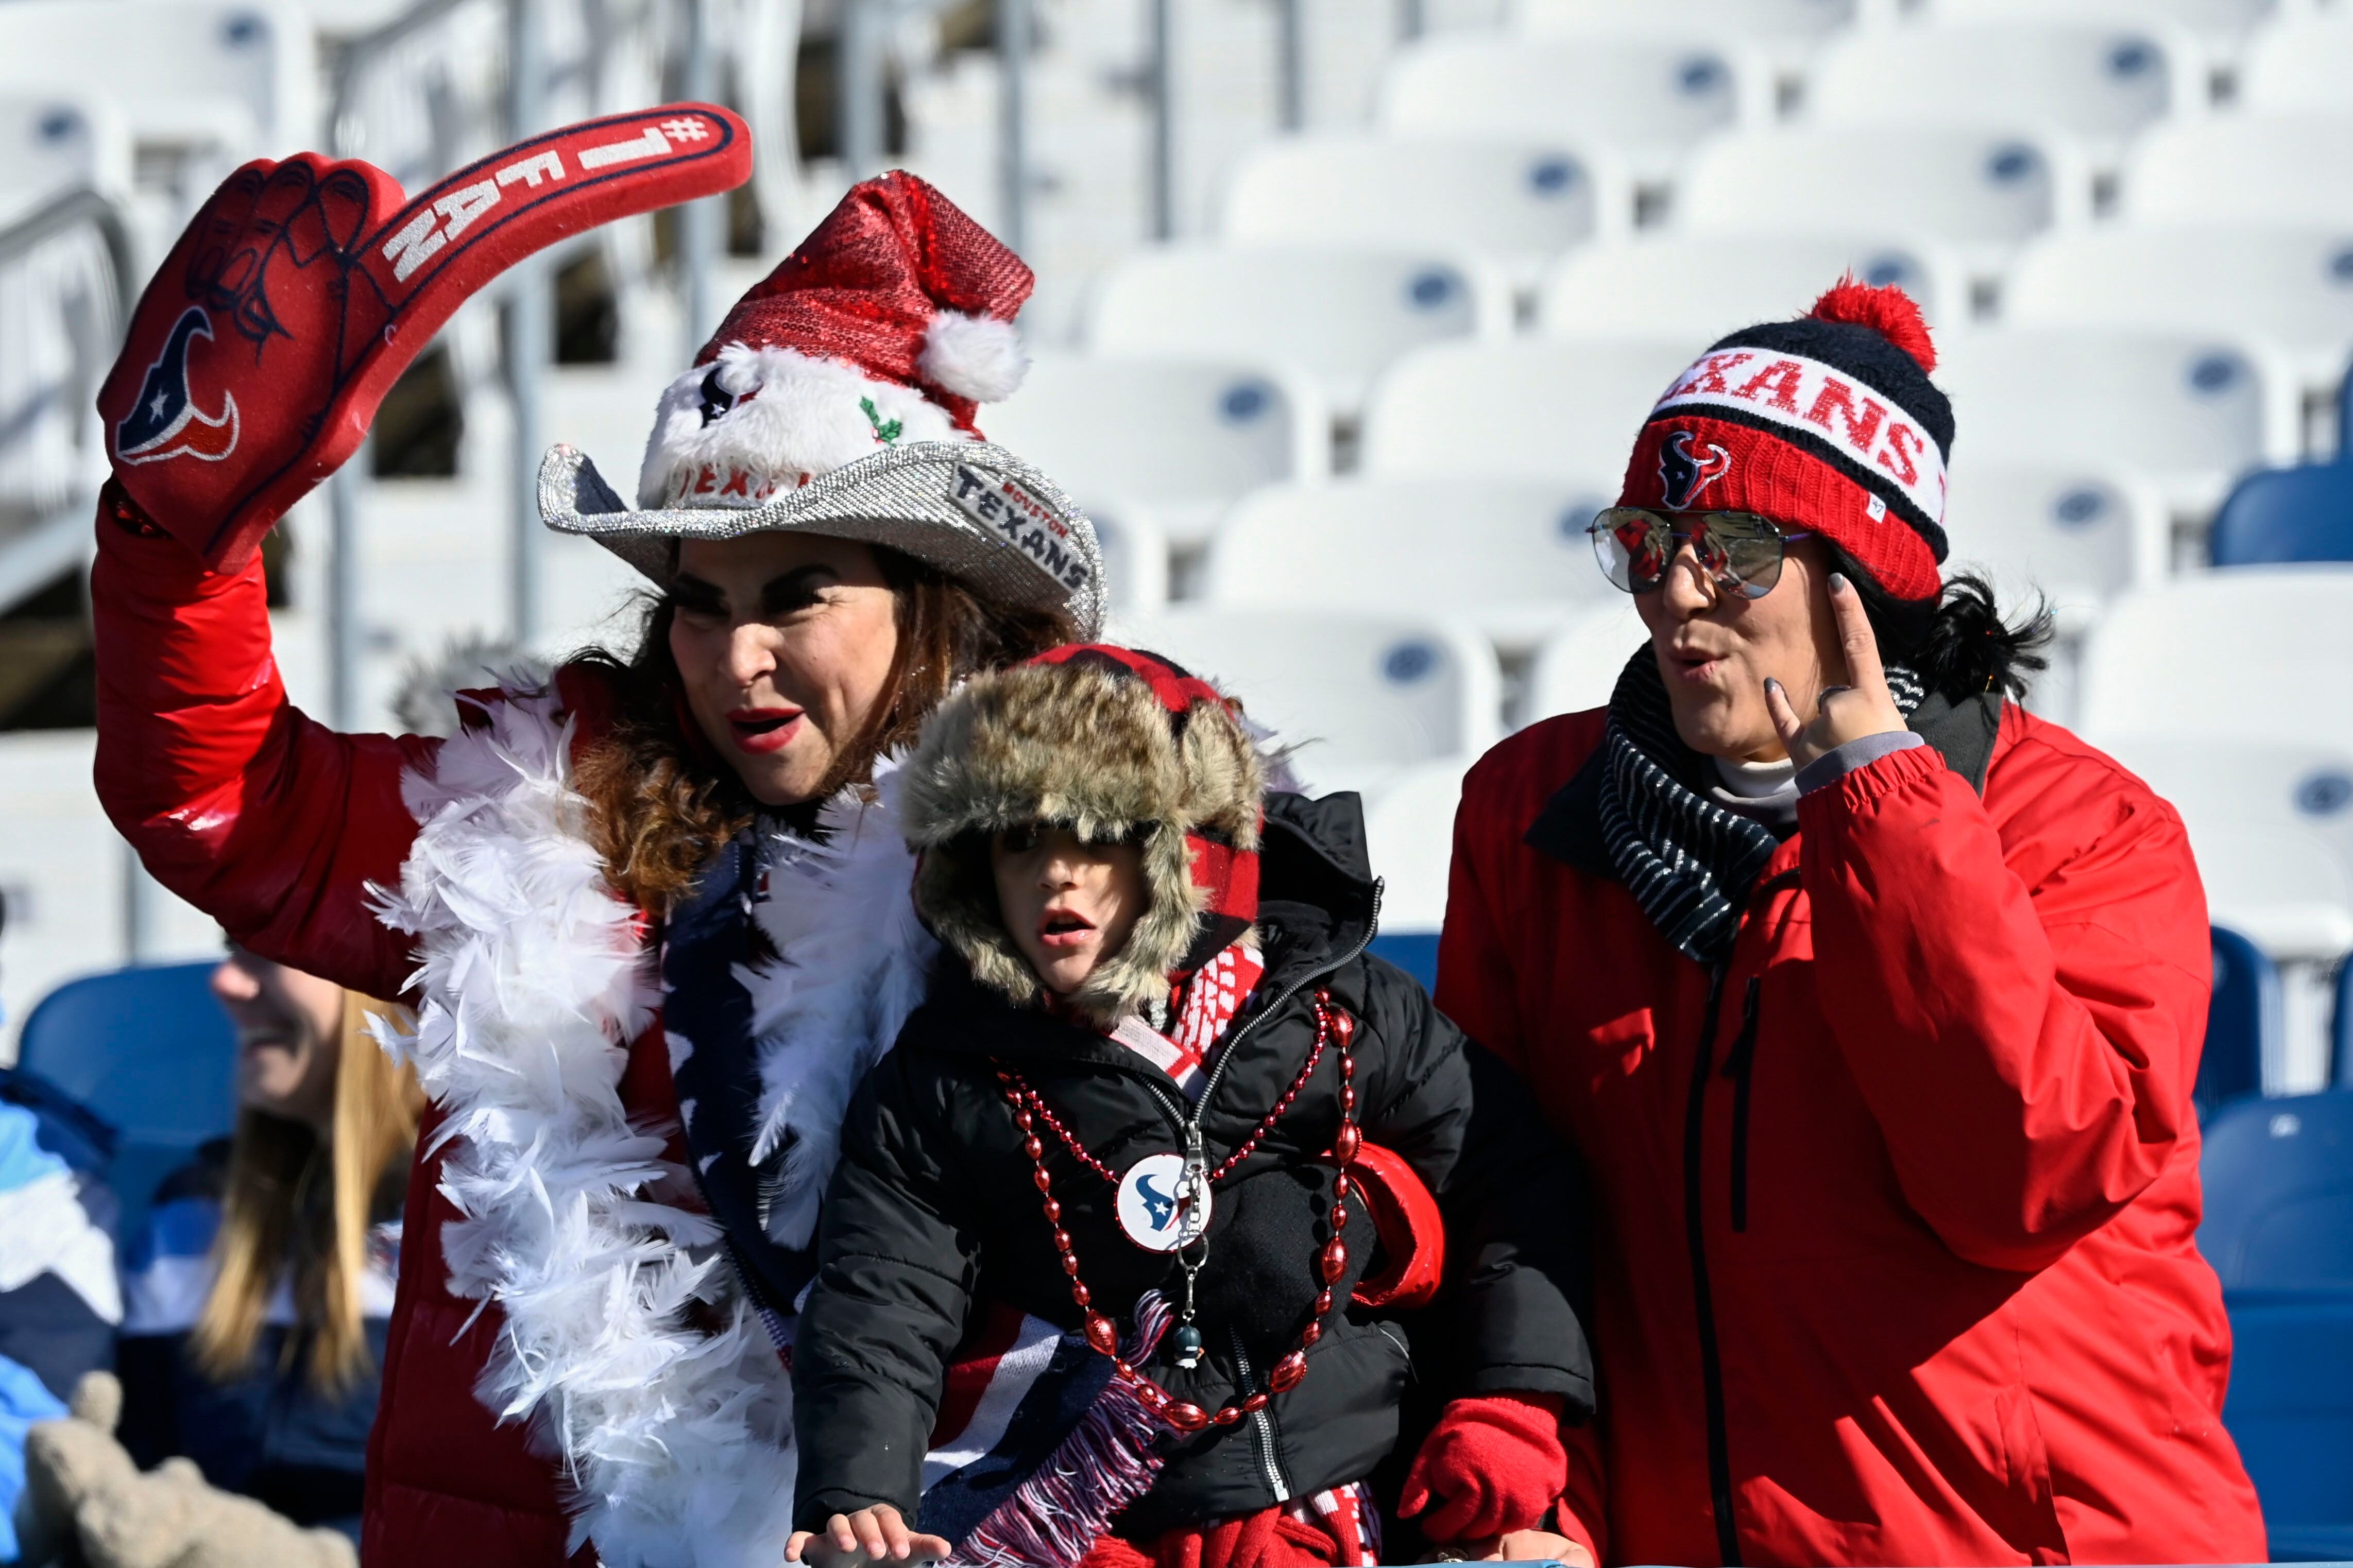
1886	310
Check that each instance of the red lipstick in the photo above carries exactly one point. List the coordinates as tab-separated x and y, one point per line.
761	731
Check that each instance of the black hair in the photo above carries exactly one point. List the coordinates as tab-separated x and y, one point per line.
1957	643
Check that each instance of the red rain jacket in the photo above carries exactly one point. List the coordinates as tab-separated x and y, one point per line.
274	824
1895	1258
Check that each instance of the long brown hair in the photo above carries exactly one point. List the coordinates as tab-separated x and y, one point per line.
662	803
294	1204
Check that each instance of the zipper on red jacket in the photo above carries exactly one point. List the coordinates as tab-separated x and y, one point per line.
1737	1067
1711	1364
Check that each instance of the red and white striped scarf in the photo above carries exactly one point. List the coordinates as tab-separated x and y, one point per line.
1204	1005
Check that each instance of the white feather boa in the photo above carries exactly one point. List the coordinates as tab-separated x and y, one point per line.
677	1443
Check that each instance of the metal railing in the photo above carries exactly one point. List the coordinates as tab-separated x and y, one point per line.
67	285
66	282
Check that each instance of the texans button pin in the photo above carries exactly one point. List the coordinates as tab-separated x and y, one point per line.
1155	1208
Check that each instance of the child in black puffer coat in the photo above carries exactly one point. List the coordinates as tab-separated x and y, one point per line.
1167	1102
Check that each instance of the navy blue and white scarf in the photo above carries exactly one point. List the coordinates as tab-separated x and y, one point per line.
1688	861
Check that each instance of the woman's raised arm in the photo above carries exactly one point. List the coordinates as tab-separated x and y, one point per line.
252	367
268	821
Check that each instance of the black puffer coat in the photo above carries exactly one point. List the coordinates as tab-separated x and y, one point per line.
933	1208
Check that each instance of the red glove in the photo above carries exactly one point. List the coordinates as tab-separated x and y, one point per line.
258	354
1491	1465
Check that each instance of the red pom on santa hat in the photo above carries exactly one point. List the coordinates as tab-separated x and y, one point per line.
1887	310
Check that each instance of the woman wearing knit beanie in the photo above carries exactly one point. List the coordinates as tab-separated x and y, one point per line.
1874	1002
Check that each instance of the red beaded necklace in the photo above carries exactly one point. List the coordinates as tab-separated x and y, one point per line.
1332	1025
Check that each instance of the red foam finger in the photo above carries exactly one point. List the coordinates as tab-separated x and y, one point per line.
262	347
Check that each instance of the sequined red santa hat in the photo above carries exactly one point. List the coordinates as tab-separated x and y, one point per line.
1828	423
839	397
893	321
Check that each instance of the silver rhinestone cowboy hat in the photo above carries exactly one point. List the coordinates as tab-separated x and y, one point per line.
837	398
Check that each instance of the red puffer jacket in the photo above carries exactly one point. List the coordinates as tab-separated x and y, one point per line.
1896	1213
275	825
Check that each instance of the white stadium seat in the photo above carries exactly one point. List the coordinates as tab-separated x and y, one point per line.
1338	314
2078	534
200	85
2070	533
2191	412
2258	652
2280	888
1135	552
346	18
1183	437
2292	288
1795	19
1510	557
2218	24
1702	286
1563	409
1982	189
1649	97
52	143
1579	667
2243	168
2241	799
1410	833
2254	783
2099	81
1362	697
1519	201
2299	65
65	869
2272	824
242	70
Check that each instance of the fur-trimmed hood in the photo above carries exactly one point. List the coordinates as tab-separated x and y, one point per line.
1113	744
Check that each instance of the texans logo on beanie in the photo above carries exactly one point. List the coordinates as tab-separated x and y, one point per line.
1828	423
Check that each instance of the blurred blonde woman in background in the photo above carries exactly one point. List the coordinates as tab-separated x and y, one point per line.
258	1297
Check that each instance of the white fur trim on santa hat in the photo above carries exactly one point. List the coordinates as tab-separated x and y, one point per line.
793	418
978	357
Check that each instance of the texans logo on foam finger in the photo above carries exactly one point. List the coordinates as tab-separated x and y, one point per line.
262	348
165	422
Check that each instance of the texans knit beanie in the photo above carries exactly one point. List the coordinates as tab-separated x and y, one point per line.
1827	424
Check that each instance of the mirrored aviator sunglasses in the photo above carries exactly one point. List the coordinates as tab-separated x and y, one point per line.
1740	551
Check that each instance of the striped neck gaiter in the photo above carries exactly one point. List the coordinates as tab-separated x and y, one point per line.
1688	861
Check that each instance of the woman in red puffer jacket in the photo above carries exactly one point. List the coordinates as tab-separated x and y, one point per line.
1875	1003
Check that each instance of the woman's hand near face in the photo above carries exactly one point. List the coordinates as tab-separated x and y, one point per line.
877	1531
1862	707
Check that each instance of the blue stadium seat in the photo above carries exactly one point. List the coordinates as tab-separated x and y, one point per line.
2279	1197
2244	1014
2302	513
1415	951
2340	1055
2286	514
2279	1230
150	1053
